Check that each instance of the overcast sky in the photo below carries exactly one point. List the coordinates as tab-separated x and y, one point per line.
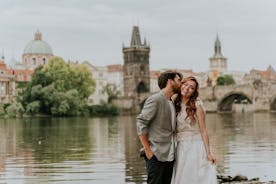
181	32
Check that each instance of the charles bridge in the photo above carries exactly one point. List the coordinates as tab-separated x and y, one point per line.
255	96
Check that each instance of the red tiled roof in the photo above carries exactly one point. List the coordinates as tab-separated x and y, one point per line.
3	65
115	68
20	71
267	74
154	74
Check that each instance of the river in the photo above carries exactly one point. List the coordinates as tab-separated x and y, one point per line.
105	150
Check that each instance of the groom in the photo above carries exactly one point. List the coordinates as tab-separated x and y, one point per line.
155	126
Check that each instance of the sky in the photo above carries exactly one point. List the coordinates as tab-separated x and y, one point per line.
181	33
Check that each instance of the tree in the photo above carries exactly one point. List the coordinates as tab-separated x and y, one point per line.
111	91
225	80
15	109
2	110
58	89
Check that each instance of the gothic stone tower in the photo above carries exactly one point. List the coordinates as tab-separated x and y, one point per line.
136	66
218	63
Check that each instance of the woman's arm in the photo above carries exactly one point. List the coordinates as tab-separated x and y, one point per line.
203	131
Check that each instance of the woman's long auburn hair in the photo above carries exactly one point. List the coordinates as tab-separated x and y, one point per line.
191	104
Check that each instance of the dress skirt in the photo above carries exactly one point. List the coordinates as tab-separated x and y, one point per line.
191	165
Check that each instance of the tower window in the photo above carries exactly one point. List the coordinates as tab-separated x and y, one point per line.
44	61
142	70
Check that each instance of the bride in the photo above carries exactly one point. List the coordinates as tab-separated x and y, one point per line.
194	162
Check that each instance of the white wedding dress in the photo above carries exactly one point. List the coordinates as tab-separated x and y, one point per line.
191	164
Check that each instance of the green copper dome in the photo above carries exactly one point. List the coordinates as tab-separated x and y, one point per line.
38	46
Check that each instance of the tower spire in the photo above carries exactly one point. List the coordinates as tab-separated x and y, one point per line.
135	38
217	47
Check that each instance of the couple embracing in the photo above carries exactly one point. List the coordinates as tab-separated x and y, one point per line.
167	120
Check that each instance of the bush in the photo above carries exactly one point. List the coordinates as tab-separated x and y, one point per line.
15	109
2	110
33	107
225	80
103	110
5	106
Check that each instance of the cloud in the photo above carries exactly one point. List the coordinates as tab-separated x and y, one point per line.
181	32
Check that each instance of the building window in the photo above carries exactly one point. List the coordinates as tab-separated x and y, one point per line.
34	61
2	89
44	61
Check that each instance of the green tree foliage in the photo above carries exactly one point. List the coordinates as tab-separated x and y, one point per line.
225	80
15	109
103	110
58	89
111	91
2	110
33	107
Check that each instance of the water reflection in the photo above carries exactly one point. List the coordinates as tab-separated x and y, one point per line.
135	166
105	150
245	144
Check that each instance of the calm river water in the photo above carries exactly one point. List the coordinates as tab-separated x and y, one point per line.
105	150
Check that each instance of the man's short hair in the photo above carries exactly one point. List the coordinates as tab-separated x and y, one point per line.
165	76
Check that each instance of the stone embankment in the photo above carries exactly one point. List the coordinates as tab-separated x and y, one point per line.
240	179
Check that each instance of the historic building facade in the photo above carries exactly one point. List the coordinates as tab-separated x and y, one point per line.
7	84
260	75
103	75
37	52
116	77
136	66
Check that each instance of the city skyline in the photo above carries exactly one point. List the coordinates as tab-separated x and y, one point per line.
181	35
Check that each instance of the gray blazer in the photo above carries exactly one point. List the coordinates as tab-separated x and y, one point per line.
155	120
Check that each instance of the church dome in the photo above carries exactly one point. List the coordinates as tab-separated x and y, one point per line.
38	46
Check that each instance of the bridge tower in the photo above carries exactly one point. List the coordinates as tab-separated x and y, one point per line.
136	66
218	63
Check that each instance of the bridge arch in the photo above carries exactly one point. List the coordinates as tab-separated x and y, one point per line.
226	103
273	103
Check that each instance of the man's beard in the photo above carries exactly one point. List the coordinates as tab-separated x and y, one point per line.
175	89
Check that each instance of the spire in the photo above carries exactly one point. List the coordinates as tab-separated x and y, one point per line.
270	69
217	47
38	35
3	56
135	38
145	41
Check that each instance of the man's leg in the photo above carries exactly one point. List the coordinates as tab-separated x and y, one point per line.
154	170
167	172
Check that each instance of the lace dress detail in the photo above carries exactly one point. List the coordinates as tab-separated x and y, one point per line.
186	127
